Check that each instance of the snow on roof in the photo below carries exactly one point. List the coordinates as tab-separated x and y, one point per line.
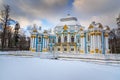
68	23
69	20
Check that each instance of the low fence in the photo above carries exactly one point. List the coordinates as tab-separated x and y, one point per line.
49	55
91	56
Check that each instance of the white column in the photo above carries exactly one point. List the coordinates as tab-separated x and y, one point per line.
107	44
83	43
98	37
31	42
56	39
99	42
43	42
75	38
68	38
62	39
35	43
47	43
94	42
106	41
91	41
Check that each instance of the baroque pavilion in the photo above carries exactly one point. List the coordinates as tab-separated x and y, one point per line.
70	37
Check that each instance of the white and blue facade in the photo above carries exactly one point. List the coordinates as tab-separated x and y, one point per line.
42	42
70	37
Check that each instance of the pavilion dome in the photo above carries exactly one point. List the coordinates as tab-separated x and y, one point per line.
107	28
95	26
69	21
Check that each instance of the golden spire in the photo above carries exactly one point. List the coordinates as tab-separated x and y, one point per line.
81	29
65	27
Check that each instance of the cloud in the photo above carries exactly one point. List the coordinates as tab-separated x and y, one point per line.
26	11
106	19
96	6
25	21
103	11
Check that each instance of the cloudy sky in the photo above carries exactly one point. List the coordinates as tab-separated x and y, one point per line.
46	13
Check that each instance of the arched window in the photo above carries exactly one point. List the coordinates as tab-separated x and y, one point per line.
53	41
39	40
72	38
49	40
59	39
78	40
52	49
65	39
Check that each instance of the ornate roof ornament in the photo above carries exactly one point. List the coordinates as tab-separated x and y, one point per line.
90	26
107	28
34	28
45	31
65	27
100	25
81	29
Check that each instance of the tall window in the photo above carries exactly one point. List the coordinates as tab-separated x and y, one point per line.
58	49
59	39
49	40
65	49
78	40
72	38
88	38
52	49
39	39
65	39
53	41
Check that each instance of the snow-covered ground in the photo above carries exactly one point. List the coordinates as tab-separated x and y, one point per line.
29	68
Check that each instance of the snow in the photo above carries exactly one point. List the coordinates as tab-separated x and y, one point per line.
68	23
26	68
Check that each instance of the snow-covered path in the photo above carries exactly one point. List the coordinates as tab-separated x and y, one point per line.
21	68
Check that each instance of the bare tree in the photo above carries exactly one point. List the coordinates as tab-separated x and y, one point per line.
4	19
